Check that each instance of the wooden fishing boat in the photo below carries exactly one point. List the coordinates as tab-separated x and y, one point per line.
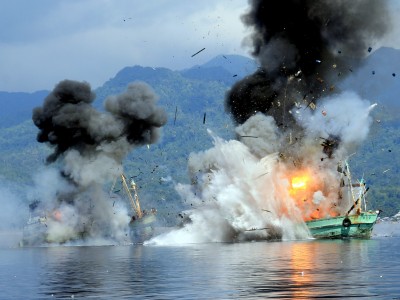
350	226
358	222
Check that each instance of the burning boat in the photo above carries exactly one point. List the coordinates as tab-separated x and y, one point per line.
41	223
358	225
36	230
357	222
141	225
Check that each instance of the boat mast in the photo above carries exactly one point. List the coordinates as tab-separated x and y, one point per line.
350	182
133	199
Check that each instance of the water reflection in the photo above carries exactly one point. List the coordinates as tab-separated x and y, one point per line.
306	270
70	271
281	270
302	262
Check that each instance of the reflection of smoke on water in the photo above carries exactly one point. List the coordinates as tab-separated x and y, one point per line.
89	147
292	123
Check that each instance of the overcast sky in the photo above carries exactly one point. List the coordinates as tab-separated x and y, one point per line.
45	41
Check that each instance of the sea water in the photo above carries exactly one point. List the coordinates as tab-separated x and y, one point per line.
255	270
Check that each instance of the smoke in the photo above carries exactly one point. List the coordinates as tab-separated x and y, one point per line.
304	48
294	126
88	148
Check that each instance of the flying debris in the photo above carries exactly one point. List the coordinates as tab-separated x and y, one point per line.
176	111
204	118
330	144
198	52
254	229
249	136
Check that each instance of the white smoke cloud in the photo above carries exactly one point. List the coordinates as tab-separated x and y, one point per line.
260	134
98	168
345	115
238	196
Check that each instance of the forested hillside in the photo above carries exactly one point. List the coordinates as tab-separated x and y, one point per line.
194	101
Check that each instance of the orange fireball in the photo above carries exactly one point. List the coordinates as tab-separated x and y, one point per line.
302	188
300	182
57	215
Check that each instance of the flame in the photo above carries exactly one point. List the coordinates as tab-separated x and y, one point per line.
302	189
57	215
300	182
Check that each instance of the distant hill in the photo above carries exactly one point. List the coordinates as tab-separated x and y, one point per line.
17	107
225	68
378	79
234	64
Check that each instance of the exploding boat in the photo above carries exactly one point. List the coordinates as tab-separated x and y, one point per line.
350	226
141	225
357	222
36	231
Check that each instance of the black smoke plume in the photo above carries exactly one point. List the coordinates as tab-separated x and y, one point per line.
89	146
67	120
304	47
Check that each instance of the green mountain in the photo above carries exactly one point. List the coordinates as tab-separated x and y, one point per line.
194	101
17	107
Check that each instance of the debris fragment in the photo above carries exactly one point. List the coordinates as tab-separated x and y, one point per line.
176	111
369	49
318	61
234	75
324	113
204	118
254	229
394	74
249	136
330	144
373	72
261	176
198	52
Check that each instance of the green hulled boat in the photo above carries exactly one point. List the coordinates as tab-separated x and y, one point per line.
352	226
357	222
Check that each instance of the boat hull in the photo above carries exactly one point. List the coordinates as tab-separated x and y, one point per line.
142	229
354	226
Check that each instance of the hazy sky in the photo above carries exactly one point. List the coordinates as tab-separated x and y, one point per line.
45	41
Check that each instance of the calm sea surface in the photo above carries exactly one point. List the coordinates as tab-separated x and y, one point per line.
295	270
